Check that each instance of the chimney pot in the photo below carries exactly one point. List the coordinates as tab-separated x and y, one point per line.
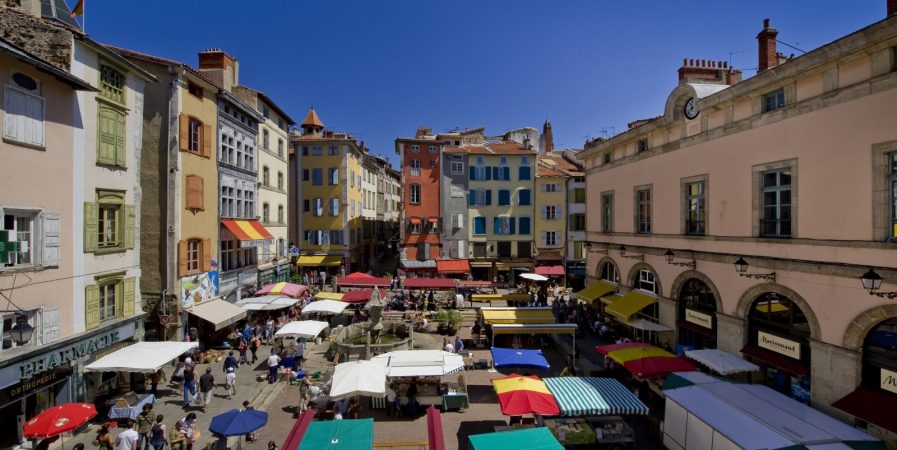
892	7
765	23
684	62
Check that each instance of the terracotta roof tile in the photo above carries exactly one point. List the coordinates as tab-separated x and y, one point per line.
312	119
499	148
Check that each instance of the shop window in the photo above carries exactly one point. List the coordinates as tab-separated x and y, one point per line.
609	272
646	281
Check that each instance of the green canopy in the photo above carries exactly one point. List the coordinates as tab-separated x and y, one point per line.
526	439
355	434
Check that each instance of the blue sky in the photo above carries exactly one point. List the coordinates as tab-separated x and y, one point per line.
380	68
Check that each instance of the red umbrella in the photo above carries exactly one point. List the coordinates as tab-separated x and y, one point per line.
435	437
519	395
658	366
58	420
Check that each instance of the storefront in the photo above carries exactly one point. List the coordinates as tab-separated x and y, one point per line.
778	341
310	268
576	274
36	380
274	273
696	320
213	320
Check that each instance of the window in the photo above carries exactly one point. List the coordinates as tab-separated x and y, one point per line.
351	178
524	173
524	197
503	226
549	238
304	151
646	281
607	158
266	176
414	225
317	176
194	89
551	212
333	150
501	173
20	243
112	84
481	160
479	197
607	213
280	181
479	249
774	100
266	213
111	136
317	150
480	173
609	272
433	225
194	135
892	190
306	205
504	249
504	197
415	167
415	194
479	226
107	301
776	211
431	149
334	206
107	227
319	207
280	214
23	111
525	226
642	145
524	160
194	253
503	160
643	211
280	148
577	222
579	195
551	187
415	149
695	208
432	163
305	175
266	137
333	175
579	250
195	192
457	165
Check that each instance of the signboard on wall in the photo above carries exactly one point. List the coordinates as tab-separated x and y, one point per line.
697	318
778	344
198	288
889	380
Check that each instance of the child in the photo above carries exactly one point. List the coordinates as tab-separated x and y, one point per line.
230	383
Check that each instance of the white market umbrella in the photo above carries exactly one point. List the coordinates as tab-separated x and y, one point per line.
302	328
358	378
325	307
420	363
533	276
721	362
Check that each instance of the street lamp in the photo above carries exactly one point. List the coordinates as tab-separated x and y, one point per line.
21	332
872	282
741	267
669	255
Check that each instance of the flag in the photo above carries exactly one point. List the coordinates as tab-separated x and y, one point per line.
79	9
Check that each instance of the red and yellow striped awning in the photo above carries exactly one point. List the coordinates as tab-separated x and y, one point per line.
248	231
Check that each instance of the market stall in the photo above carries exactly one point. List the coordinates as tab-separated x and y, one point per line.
519	395
328	296
218	313
302	329
523	439
361	295
645	360
593	396
594	292
325	307
358	378
267	303
519	330
425	368
283	289
338	434
434	284
357	280
512	315
511	299
721	362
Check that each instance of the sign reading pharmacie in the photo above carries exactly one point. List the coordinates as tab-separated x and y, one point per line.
778	344
699	318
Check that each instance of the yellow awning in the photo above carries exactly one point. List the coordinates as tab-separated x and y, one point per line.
517	316
535	328
595	291
629	304
319	261
607	300
486	297
328	296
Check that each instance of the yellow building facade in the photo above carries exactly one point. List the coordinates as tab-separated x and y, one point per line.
551	212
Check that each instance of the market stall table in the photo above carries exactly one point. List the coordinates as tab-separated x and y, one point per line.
119	411
571	431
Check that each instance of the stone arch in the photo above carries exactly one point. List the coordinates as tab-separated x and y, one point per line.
747	299
601	262
689	274
862	324
632	277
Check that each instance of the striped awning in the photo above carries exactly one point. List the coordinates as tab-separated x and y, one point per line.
593	396
251	233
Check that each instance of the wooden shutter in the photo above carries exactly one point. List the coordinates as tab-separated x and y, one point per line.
121	150
195	192
106	136
184	132
207	141
182	258
206	262
50	239
130	223
92	306
130	297
91	227
50	324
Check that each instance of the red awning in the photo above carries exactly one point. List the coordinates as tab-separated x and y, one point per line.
433	220
550	271
453	266
785	363
362	281
871	405
246	230
435	437
415	221
299	429
359	275
361	295
429	283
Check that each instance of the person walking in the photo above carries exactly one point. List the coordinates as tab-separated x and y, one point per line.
273	364
145	420
189	382
475	331
251	437
127	440
187	427
254	345
156	378
230	383
158	438
177	440
230	362
459	344
206	385
103	441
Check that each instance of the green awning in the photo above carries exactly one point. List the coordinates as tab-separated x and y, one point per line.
595	291
526	439
629	304
355	434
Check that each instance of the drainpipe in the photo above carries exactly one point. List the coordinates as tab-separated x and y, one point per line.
171	188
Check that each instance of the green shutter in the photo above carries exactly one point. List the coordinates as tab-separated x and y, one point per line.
106	138
91	226
92	303
130	223
129	297
121	154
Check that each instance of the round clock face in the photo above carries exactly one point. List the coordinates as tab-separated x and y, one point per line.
691	109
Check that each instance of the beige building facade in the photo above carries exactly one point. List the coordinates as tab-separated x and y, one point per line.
793	172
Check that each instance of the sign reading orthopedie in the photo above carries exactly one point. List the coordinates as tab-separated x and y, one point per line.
71	352
697	318
778	344
888	380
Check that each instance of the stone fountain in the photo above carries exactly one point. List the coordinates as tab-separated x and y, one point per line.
375	312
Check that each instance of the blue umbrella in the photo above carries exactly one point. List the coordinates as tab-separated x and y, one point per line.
513	357
238	422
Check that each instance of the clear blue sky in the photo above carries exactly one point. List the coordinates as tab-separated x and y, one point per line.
381	68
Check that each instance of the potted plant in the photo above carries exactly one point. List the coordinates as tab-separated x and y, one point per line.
454	321
443	317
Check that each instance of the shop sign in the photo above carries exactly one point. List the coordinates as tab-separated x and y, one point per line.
889	380
34	384
697	318
73	352
778	344
256	243
198	288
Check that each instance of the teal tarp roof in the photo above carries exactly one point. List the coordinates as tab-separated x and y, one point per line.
592	396
339	435
525	439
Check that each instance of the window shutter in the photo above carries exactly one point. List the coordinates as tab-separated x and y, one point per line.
496	225
206	263
426	251
207	141
182	258
106	139
130	224
91	226
507	173
543	187
472	197
495	174
92	306
488	171
50	240
15	119
194	192
50	324
544	212
183	132
121	150
544	237
488	197
130	297
512	225
473	173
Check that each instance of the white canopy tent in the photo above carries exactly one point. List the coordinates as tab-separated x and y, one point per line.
420	363
267	303
145	357
358	378
721	362
533	276
302	328
218	312
325	307
260	306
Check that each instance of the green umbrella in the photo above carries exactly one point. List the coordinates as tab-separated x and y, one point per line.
355	434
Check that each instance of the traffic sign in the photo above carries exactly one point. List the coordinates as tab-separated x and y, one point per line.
294	251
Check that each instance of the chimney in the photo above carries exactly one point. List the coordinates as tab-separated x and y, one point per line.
221	68
548	137
892	7
707	72
423	131
768	57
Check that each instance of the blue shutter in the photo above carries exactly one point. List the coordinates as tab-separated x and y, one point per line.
473	173
524	225
507	174
488	171
488	197
472	197
504	197
511	226
496	226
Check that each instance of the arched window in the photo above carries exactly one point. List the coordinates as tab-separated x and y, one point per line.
778	341
609	273
646	281
266	213
266	176
697	315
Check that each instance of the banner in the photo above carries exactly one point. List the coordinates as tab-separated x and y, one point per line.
198	288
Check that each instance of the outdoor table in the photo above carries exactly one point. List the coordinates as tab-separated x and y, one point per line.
456	400
571	431
131	412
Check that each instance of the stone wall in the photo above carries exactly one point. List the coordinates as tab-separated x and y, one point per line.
39	37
